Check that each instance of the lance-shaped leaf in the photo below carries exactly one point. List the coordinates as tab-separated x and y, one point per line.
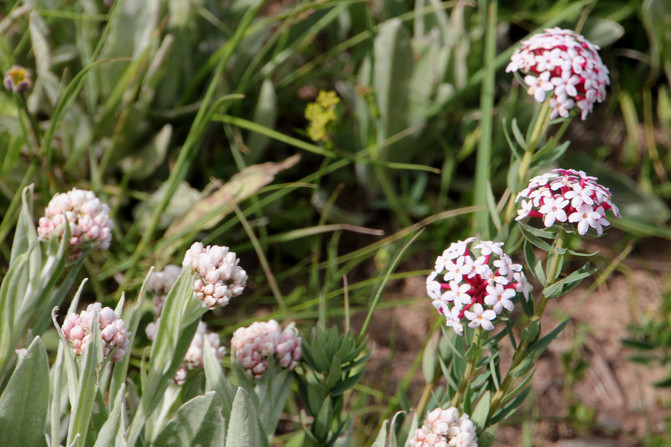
197	422
244	429
382	436
112	431
265	115
83	399
216	381
392	72
25	401
179	322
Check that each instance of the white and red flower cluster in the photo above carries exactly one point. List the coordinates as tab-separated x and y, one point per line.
252	346
77	330
566	64
219	276
477	288
160	283
567	195
87	216
194	355
445	428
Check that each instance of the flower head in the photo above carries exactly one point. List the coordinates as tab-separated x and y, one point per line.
445	428
88	218
572	197
566	64
252	346
17	79
160	283
219	276
322	114
77	330
479	293
194	355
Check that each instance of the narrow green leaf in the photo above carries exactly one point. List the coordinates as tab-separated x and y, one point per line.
510	407
334	373
254	127
517	133
524	367
491	206
571	281
82	406
638	344
531	331
534	263
24	404
348	383
549	153
322	423
534	235
540	345
663	383
56	384
515	148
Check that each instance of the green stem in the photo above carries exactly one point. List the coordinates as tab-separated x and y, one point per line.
496	401
424	399
535	134
553	270
470	370
552	273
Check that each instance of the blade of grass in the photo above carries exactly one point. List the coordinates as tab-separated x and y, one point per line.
484	154
383	284
262	258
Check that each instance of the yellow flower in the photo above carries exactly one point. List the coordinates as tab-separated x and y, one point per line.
321	114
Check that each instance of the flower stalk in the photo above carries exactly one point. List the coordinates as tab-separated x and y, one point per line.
469	372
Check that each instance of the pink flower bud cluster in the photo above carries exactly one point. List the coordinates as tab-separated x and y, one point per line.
566	64
445	428
478	288
567	195
87	216
77	330
194	355
252	346
160	283
219	276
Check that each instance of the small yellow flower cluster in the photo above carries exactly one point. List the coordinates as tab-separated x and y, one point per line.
321	114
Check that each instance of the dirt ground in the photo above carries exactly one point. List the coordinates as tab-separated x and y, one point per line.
617	394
